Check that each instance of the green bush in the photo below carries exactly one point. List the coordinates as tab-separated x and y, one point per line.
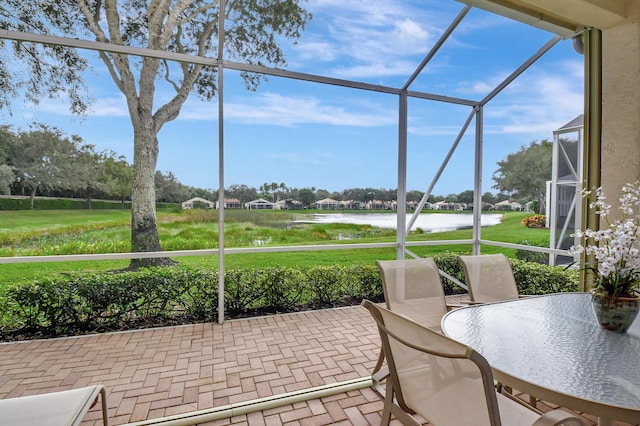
448	263
15	204
532	256
535	278
199	298
58	204
87	302
364	283
327	284
242	290
530	277
41	203
284	289
34	304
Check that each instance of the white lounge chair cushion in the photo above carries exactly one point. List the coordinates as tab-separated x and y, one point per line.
57	408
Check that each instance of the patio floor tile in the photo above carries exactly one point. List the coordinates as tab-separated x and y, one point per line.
166	371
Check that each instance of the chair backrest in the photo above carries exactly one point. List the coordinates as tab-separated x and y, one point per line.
444	381
489	277
413	288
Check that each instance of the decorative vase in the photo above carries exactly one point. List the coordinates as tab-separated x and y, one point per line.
615	314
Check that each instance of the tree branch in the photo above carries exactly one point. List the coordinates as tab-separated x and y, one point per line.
167	76
92	20
170	110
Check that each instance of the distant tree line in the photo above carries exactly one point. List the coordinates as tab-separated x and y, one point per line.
44	161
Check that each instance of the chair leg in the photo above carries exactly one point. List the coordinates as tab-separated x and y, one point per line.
105	411
388	402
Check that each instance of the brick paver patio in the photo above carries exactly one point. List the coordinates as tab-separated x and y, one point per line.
162	372
169	371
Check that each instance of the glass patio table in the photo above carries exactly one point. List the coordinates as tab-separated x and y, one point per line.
553	348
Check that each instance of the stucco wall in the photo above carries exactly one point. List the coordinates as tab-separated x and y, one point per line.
621	104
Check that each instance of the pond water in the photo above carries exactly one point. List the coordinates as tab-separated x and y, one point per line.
428	222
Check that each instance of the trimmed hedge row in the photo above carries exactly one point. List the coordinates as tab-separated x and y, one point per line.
82	303
51	203
58	204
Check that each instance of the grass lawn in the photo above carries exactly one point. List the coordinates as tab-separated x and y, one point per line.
28	233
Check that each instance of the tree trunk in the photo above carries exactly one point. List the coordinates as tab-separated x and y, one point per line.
144	232
32	197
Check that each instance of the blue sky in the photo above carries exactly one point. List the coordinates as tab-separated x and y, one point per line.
307	134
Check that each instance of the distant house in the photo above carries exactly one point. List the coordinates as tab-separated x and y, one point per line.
259	204
412	205
288	204
378	205
352	205
230	203
444	205
327	204
508	205
441	205
486	206
197	200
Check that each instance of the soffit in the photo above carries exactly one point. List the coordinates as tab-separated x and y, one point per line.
563	17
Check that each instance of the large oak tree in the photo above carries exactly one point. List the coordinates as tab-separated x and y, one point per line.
524	174
252	31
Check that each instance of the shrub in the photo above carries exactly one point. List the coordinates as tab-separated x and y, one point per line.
364	282
87	302
535	221
448	263
534	278
199	293
45	302
83	302
530	277
327	284
532	256
242	290
283	289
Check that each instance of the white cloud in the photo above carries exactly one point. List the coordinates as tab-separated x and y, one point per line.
476	87
316	50
279	110
532	106
541	102
102	107
368	38
376	69
110	107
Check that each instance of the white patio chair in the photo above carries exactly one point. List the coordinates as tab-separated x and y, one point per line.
489	278
412	288
66	408
444	381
